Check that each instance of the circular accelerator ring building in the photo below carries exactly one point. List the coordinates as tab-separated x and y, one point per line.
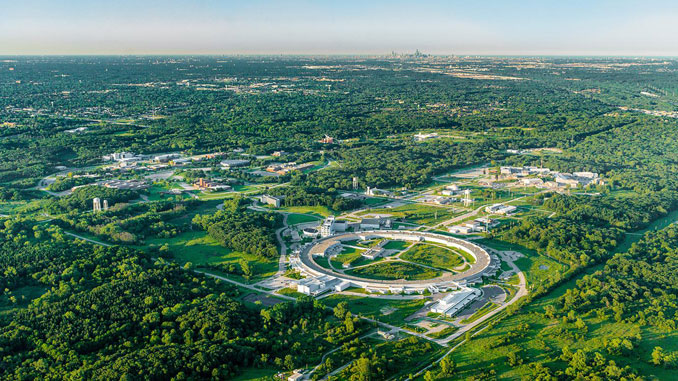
320	279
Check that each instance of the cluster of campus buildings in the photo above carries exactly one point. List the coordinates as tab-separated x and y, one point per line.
533	176
131	160
331	225
482	224
209	185
285	168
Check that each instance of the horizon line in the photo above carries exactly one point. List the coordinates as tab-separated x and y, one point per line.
399	55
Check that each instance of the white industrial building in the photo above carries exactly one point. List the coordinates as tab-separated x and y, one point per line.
228	164
121	156
523	171
320	285
466	228
376	251
274	201
532	182
451	304
327	228
370	224
501	209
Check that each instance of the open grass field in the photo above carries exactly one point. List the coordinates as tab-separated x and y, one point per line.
376	201
385	310
207	196
484	310
200	249
444	333
19	298
394	270
537	268
290	292
347	255
543	338
396	245
419	214
323	262
434	256
296	218
255	374
320	211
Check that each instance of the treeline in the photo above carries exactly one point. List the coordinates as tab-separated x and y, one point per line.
566	240
301	195
81	198
628	213
242	230
636	290
63	183
638	286
403	163
132	223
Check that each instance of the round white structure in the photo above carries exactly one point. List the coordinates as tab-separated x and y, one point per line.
484	264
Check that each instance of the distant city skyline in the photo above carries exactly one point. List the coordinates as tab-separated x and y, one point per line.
624	27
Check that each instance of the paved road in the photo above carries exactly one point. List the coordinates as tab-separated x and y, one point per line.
475	211
87	239
322	360
244	285
522	291
283	248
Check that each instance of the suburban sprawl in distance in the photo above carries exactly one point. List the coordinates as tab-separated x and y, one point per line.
338	218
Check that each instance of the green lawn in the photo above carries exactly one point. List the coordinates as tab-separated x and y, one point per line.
290	292
199	248
206	196
347	255
23	296
397	245
444	333
323	262
375	201
295	218
393	271
385	310
252	374
435	256
320	211
484	310
420	214
537	268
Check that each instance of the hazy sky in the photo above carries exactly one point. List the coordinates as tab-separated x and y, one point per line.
341	27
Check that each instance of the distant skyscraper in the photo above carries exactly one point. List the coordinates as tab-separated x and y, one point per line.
105	204
96	204
355	183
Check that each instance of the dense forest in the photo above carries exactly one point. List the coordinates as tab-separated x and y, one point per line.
71	309
111	312
236	227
